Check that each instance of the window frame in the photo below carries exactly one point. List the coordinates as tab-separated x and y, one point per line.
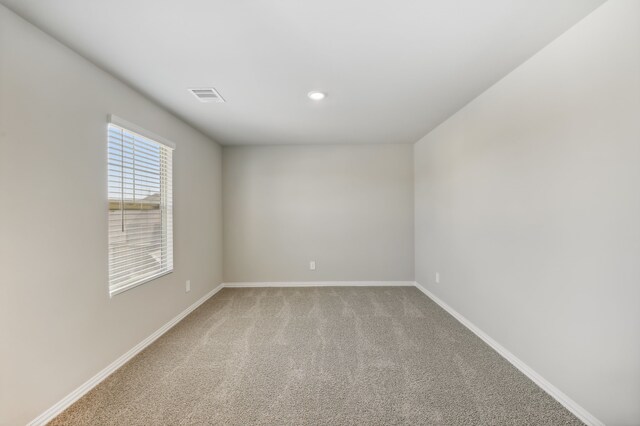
143	133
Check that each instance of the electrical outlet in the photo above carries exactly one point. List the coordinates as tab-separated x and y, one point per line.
312	265
187	286
437	277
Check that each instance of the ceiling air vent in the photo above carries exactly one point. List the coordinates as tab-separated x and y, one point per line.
208	94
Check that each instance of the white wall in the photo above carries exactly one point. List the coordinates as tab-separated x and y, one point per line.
528	205
58	325
348	207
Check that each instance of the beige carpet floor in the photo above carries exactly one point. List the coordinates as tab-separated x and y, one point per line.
317	356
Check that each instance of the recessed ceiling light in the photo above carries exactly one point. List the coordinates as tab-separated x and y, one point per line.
316	96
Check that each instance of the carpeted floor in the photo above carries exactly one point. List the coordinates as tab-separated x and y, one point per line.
328	355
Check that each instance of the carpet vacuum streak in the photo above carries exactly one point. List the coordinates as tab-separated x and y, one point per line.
317	356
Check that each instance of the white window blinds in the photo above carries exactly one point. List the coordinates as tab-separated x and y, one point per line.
140	209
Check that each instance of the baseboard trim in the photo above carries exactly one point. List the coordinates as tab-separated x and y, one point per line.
546	386
321	284
63	404
558	395
66	402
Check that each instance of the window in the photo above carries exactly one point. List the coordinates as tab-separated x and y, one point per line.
140	206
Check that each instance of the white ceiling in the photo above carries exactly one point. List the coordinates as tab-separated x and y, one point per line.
393	70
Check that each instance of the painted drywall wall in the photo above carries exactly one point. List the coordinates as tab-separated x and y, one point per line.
528	205
58	325
347	207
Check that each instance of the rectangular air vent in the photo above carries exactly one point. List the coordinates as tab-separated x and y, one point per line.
208	94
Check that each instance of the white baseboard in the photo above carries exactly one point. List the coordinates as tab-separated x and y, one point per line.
321	284
556	393
563	399
62	405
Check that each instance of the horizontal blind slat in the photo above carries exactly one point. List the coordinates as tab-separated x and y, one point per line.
136	273
135	265
132	281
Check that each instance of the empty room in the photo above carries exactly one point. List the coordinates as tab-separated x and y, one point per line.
320	212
